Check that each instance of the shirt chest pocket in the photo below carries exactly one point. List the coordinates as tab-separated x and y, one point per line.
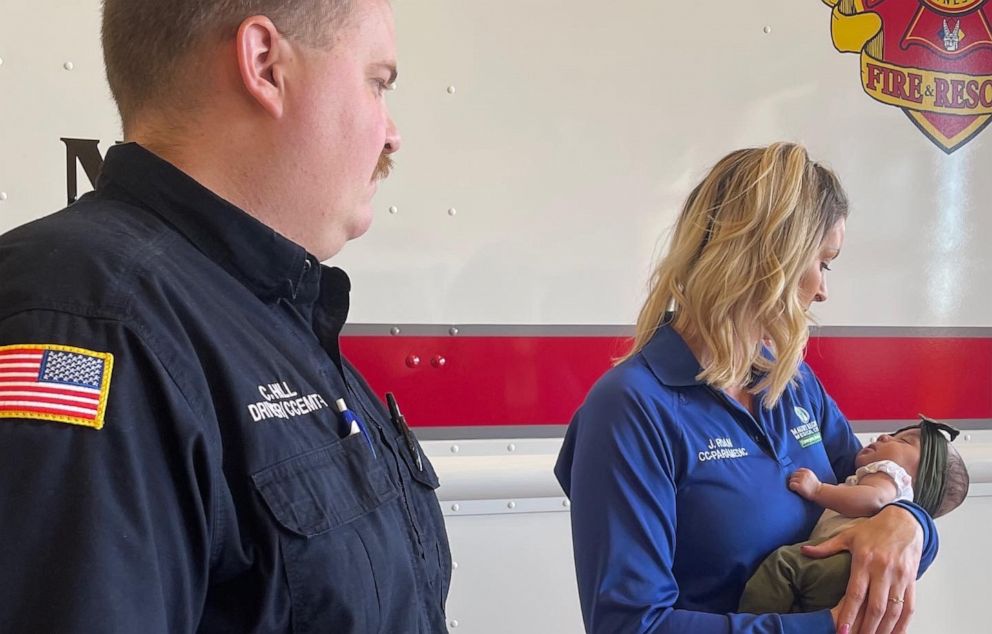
319	502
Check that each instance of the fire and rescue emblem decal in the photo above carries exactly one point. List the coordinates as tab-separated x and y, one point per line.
931	58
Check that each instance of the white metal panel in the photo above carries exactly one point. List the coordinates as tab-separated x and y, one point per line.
514	574
577	129
51	86
573	133
954	595
497	469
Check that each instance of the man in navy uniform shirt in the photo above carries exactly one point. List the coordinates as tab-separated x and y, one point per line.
173	457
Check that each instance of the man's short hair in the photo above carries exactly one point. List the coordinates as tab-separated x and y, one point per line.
150	46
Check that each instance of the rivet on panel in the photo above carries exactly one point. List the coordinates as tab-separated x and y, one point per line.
452	211
3	195
511	505
391	86
456	507
455	448
451	90
394	330
767	29
566	503
967	437
454	565
439	361
68	66
1	61
393	210
511	447
412	361
454	623
452	331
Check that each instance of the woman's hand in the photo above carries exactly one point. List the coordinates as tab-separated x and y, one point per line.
885	556
835	615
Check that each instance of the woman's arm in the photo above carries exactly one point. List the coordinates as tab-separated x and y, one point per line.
619	470
885	554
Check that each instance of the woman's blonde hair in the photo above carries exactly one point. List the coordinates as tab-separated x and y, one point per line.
744	238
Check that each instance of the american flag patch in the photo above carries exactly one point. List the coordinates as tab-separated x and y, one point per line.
56	383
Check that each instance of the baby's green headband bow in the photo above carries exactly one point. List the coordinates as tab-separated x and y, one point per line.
932	474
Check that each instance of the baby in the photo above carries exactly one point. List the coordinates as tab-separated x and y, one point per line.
916	463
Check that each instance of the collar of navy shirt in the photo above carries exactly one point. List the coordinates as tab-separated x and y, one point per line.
270	265
674	365
670	359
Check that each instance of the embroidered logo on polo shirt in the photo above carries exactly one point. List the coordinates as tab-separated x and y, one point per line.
721	449
282	401
808	433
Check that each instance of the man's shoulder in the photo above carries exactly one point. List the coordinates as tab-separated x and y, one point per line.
85	255
90	221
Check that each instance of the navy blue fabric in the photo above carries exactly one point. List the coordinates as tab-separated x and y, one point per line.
678	493
220	495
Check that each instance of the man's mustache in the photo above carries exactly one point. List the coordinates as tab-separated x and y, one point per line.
383	167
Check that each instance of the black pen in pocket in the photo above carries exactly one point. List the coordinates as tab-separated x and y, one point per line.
400	422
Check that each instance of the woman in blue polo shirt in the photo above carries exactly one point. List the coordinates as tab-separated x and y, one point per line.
676	464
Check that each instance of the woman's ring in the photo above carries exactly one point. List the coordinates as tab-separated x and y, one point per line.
895	600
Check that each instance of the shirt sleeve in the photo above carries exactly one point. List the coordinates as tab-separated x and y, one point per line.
104	530
931	543
619	472
842	446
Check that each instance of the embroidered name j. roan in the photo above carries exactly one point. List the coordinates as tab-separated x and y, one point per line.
721	449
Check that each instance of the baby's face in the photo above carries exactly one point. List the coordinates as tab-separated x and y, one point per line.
902	449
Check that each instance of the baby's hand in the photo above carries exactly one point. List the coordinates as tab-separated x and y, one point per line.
805	483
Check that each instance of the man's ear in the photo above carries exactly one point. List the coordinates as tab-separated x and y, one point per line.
262	57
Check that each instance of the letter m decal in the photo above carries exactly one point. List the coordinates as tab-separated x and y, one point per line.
87	153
